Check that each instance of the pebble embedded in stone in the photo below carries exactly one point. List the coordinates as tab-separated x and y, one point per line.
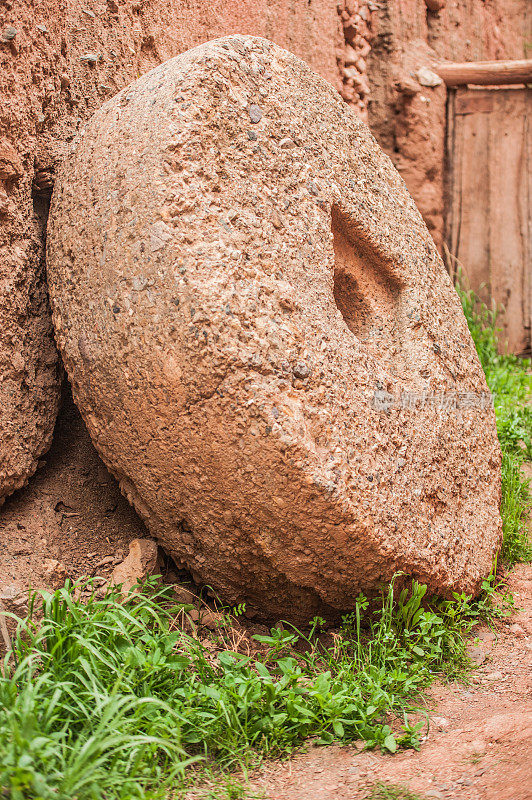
255	113
90	58
9	34
427	77
301	370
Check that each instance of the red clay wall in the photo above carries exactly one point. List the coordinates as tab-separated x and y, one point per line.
407	118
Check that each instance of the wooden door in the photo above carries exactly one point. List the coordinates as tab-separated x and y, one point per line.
489	192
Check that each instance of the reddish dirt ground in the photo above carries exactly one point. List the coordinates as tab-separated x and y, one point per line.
479	745
71	519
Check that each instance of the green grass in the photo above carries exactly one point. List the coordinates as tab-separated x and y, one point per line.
509	379
106	699
391	791
110	699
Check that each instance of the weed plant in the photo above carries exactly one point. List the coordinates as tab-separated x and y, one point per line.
388	791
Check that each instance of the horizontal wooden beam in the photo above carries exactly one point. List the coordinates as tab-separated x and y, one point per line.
486	73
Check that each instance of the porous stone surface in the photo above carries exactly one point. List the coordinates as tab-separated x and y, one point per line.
263	341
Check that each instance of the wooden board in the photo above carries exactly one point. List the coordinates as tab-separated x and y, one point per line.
489	187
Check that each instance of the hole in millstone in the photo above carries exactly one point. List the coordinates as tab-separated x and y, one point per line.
365	290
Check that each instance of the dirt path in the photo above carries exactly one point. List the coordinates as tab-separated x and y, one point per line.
479	746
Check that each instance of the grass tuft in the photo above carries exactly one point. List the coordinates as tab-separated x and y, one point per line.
509	378
389	791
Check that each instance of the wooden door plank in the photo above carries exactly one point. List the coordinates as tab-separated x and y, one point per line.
472	248
452	178
508	220
489	184
528	223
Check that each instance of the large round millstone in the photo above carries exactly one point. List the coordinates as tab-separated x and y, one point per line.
263	341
